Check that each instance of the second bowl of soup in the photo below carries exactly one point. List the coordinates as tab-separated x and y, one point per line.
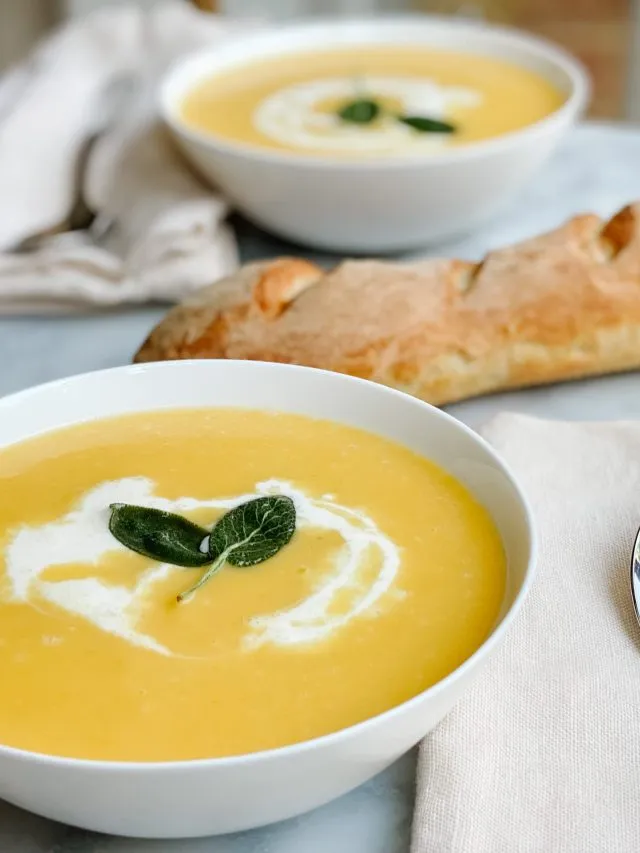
231	591
373	135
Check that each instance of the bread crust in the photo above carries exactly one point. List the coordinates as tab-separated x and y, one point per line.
559	306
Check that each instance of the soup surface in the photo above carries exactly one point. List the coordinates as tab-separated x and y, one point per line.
393	577
297	102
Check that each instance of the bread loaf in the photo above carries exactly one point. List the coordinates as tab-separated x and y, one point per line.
559	306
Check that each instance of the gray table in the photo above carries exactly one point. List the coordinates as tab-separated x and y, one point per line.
598	169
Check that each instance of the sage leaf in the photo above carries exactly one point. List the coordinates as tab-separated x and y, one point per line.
159	535
360	111
427	125
254	531
248	534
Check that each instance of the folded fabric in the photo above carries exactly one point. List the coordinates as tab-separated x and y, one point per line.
543	754
167	234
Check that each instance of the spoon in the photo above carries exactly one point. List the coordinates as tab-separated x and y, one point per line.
81	216
634	576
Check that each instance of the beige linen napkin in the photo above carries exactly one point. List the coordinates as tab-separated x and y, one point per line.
543	754
169	236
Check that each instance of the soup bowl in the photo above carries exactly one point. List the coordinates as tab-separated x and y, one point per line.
220	795
382	204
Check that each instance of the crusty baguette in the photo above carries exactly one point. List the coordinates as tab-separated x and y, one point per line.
560	306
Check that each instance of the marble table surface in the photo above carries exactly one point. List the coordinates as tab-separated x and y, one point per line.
596	169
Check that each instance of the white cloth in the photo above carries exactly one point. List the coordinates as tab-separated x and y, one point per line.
543	754
169	236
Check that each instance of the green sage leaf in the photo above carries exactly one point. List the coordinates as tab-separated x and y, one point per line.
248	534
159	535
360	111
427	125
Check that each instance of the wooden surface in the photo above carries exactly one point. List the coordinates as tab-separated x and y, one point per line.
22	23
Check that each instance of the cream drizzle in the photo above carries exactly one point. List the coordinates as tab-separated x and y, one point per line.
82	536
291	116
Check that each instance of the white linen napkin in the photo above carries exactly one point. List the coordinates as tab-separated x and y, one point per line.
543	754
169	235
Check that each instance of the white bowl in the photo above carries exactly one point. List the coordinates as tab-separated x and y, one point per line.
387	204
194	798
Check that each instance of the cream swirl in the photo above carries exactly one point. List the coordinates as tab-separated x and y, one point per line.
293	115
82	536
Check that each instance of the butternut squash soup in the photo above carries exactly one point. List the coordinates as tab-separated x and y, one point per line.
198	583
376	100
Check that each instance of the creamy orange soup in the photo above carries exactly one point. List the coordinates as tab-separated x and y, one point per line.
393	576
293	103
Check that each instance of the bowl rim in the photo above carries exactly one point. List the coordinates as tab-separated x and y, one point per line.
9	403
575	103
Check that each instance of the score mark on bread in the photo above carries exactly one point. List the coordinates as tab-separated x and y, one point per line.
559	306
